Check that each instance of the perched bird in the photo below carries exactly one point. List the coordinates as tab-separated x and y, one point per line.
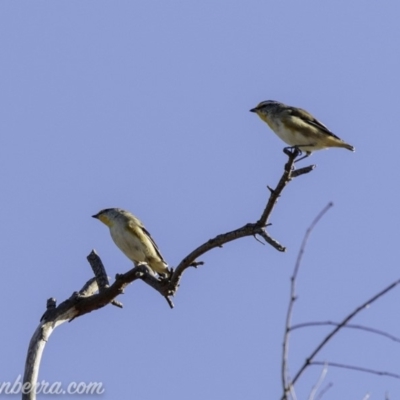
297	127
132	238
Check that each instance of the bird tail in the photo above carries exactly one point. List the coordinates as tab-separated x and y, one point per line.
347	146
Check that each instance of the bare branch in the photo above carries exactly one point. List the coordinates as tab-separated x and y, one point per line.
250	229
87	300
321	379
324	390
350	326
100	274
53	317
78	304
285	354
288	174
309	360
302	171
271	240
98	270
356	368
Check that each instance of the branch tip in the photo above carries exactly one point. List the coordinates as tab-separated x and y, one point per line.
195	264
258	240
169	301
117	304
270	189
302	171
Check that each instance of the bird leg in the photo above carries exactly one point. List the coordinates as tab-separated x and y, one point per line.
302	158
308	153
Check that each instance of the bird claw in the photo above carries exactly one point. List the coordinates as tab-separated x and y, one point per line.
296	152
292	151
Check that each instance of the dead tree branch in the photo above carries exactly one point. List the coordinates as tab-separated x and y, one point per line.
286	384
350	326
319	383
250	229
356	368
98	292
322	344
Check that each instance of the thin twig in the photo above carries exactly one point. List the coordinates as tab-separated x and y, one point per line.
285	380
351	326
324	390
288	174
308	361
293	393
356	368
302	171
321	379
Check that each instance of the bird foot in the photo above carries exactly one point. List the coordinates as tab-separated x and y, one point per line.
292	151
296	152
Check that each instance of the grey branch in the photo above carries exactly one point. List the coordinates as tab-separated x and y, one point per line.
286	384
324	390
356	368
80	303
100	274
53	317
322	344
350	326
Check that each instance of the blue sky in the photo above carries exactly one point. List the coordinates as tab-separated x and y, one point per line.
145	106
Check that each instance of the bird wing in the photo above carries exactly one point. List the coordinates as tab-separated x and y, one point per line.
137	225
309	119
146	232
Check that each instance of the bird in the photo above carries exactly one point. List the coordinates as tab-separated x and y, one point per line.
132	238
298	128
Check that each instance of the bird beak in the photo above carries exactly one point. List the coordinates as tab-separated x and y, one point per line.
254	109
95	216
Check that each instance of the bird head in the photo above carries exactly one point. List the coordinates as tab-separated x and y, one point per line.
267	108
107	216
